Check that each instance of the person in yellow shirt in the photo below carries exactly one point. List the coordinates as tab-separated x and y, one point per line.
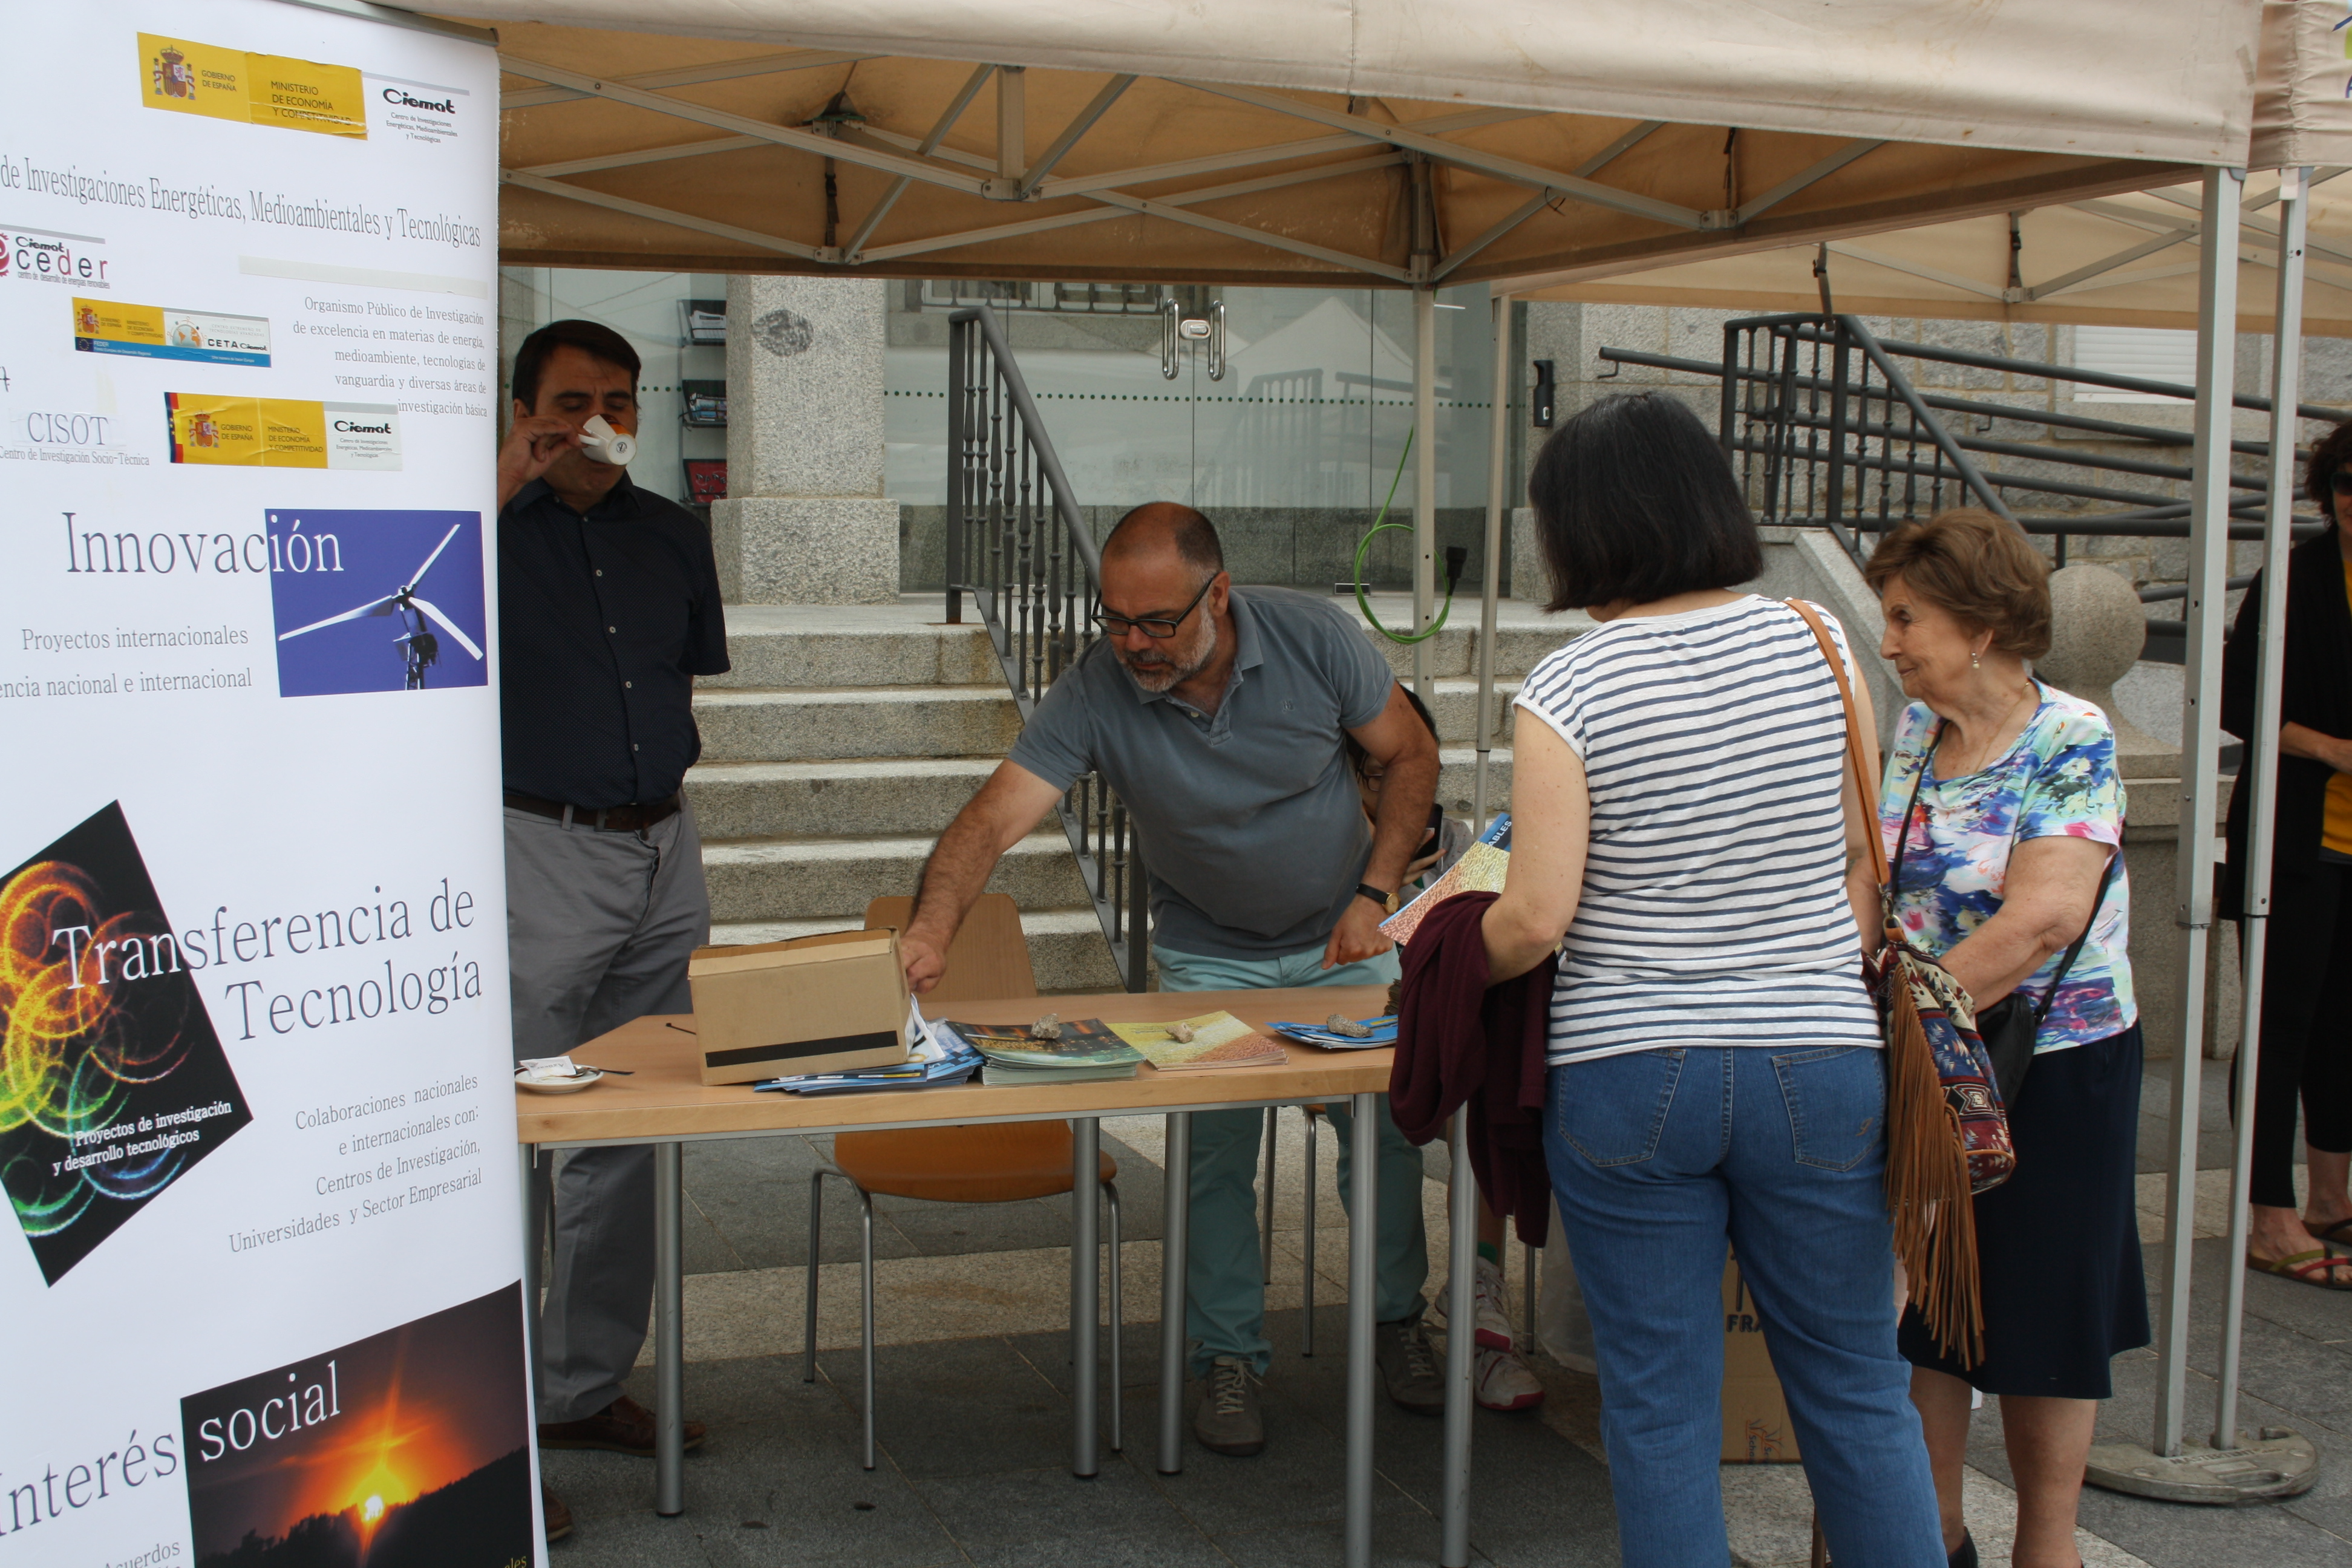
2307	1020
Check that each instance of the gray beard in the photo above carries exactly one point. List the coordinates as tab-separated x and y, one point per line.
1162	678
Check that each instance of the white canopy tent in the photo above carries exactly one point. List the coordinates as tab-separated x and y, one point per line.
1385	142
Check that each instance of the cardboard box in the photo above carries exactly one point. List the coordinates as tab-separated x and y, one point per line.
1756	1429
816	1004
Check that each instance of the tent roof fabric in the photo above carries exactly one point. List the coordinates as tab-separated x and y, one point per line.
2129	260
1395	142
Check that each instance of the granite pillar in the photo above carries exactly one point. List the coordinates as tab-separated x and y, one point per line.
805	520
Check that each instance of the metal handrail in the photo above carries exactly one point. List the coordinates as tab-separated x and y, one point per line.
1830	431
1018	544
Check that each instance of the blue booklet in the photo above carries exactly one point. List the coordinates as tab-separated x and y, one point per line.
1383	1033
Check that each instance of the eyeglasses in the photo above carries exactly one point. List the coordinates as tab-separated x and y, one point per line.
1153	626
2340	481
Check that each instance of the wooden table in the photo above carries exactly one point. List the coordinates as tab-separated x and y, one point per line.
664	1103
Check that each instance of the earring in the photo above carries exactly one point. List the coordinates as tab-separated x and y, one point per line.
1973	664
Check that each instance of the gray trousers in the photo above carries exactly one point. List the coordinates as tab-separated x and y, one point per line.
599	926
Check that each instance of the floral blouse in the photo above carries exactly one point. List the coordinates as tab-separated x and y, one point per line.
2058	776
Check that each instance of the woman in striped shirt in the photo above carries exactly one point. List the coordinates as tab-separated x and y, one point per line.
1684	832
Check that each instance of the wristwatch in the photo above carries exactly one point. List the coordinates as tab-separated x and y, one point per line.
1366	890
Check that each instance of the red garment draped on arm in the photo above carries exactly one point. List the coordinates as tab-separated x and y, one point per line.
1460	1042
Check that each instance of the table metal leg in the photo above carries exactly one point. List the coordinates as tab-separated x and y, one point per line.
1086	1308
1266	1227
1176	1183
669	1330
534	1238
1307	1282
1461	1335
1363	1251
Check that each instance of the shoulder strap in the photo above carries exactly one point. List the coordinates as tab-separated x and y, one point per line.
1857	756
2067	963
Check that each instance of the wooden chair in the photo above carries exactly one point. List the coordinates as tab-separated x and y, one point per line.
992	1163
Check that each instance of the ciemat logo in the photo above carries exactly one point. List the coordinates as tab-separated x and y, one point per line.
405	100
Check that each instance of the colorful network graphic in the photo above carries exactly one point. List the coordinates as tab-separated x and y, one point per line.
112	1083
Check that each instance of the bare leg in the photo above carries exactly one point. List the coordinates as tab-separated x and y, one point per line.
1491	1231
1943	1403
2048	1440
2327	1192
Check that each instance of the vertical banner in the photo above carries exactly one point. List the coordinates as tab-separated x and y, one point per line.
259	1256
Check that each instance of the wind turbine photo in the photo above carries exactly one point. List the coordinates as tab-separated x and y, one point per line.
420	650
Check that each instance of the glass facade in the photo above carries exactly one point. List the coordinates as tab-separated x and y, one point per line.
1292	451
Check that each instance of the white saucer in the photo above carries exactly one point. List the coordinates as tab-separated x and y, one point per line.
574	1085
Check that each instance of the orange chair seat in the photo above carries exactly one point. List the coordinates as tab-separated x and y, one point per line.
992	1163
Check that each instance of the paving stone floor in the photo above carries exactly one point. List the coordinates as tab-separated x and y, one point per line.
973	1417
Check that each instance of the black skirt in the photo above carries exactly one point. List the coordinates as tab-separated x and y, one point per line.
2058	1243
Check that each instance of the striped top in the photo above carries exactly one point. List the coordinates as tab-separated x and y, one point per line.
1714	909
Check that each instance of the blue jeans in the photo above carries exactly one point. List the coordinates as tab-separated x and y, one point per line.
1661	1157
1224	1281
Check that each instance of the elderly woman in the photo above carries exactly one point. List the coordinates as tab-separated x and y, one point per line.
1685	831
2307	1051
2002	810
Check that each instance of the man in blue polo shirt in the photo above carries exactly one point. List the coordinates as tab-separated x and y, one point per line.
1219	716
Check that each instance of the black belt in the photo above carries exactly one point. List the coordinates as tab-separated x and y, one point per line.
635	817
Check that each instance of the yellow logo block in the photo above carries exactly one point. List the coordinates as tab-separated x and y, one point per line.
260	90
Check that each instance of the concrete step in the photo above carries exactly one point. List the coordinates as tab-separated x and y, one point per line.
922	794
1457	777
815	724
831	645
1455	707
1454	651
1067	950
892	795
834	879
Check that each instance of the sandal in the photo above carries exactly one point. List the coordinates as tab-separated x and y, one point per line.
2336	1235
2319	1266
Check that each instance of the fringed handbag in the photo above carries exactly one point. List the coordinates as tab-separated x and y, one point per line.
1947	1136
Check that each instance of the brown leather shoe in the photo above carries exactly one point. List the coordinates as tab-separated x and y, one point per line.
623	1426
559	1518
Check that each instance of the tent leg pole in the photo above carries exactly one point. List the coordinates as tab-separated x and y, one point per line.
1491	591
2217	318
2286	388
2273	1462
1425	486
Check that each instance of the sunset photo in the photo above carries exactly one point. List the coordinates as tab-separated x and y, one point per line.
401	1450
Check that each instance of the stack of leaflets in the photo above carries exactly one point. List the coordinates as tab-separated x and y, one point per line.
1481	869
937	1060
1219	1040
1088	1052
1383	1033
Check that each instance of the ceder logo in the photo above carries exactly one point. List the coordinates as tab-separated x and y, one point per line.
43	256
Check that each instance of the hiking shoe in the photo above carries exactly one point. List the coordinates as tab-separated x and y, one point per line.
1409	1367
1494	1322
1501	1380
1228	1420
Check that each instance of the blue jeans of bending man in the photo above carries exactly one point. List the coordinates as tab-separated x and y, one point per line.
1224	1282
1660	1158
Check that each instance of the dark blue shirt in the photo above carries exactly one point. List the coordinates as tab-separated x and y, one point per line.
603	622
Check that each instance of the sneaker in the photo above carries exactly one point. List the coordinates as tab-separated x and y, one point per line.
1494	1322
1502	1381
1408	1365
1228	1420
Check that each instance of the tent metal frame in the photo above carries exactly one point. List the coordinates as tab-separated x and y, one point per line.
1012	177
